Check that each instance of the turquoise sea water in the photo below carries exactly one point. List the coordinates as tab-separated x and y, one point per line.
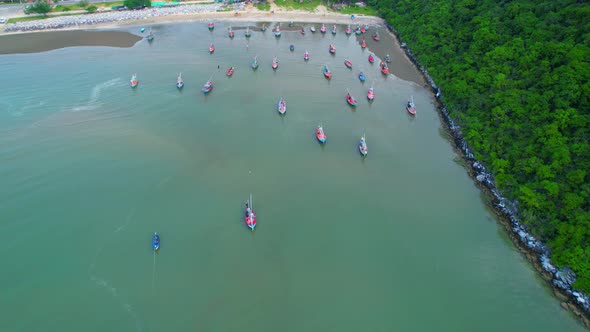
90	168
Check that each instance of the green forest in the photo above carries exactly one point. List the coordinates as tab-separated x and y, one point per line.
515	76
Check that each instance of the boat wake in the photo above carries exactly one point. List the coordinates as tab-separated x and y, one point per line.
97	90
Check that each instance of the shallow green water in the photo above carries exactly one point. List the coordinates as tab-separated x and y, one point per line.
399	241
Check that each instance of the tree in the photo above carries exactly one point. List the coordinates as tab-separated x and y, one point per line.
91	9
137	3
39	7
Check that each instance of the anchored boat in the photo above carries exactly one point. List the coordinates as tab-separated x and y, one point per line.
332	49
306	56
278	31
211	48
348	64
207	87
275	63
282	106
350	99
334	29
248	34
362	77
320	135
363	148
410	107
376	36
323	28
133	82
384	68
231	33
371	93
254	64
250	216
211	25
348	30
230	71
371	58
179	82
363	43
312	29
156	241
327	72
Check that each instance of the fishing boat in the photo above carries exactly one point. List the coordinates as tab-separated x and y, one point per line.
320	135
248	34
371	58
306	56
387	58
376	36
275	63
384	68
363	43
363	148
292	47
278	31
230	71
179	82
334	29
312	29
263	28
142	30
410	107
323	28
357	30
250	216
231	33
282	106
302	31
254	64
156	241
348	64
348	30
363	29
211	48
133	82
150	36
327	72
371	93
207	87
332	49
211	25
362	77
350	99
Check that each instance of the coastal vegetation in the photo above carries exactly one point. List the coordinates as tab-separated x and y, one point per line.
515	75
137	3
39	7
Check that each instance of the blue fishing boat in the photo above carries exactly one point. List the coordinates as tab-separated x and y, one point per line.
362	77
150	36
156	241
363	148
292	47
142	29
207	87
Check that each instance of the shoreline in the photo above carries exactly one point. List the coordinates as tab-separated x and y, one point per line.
536	252
191	13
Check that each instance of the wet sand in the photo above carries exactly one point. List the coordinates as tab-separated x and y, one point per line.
400	64
51	40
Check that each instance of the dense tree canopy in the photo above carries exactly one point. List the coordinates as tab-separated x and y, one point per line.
137	3
516	76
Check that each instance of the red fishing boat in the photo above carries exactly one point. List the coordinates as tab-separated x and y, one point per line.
231	33
327	72
348	30
348	64
363	29
211	25
384	68
410	107
250	216
376	36
306	56
207	87
332	49
211	48
350	99
320	135
363	43
371	94
230	71
323	28
371	58
275	63
302	31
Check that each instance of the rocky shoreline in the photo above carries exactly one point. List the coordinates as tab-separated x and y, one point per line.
536	252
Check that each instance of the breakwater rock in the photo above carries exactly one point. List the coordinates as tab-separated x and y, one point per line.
60	22
539	253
